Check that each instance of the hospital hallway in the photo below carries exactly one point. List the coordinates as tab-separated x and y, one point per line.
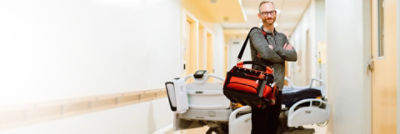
160	66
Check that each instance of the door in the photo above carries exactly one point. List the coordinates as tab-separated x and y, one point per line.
210	53
189	49
202	47
234	48
384	66
185	48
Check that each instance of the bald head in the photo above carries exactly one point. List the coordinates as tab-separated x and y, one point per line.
266	3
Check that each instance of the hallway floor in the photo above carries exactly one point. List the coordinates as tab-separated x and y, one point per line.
202	130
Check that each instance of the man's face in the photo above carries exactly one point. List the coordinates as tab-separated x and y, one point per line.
267	14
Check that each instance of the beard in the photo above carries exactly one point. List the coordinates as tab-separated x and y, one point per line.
269	21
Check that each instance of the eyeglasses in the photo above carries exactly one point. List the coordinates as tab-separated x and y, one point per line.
266	13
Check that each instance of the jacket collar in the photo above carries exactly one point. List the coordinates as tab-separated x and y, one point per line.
269	33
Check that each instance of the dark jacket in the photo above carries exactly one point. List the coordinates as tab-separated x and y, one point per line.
262	54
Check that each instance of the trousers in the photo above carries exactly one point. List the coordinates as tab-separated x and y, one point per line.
266	120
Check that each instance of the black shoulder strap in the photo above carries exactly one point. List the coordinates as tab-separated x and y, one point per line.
245	43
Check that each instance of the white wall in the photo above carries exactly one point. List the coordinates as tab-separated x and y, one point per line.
299	40
348	45
143	118
313	20
79	48
54	49
219	49
320	26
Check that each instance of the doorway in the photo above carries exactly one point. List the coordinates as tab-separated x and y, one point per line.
383	66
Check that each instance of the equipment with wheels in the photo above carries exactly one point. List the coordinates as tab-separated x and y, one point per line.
201	102
300	106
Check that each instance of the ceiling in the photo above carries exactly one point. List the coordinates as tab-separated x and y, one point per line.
289	14
230	11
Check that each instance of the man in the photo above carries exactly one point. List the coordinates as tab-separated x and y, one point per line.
271	48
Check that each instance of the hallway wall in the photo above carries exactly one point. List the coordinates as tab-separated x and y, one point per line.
348	49
57	49
218	46
313	22
216	30
143	118
61	49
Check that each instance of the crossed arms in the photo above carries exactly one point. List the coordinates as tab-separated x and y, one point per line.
273	55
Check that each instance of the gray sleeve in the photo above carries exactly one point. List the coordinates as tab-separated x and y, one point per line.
260	44
288	55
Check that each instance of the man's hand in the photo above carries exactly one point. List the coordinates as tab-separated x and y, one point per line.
287	46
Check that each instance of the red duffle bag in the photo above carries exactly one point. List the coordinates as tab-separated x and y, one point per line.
249	86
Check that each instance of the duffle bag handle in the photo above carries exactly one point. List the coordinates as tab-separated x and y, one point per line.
244	44
268	69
